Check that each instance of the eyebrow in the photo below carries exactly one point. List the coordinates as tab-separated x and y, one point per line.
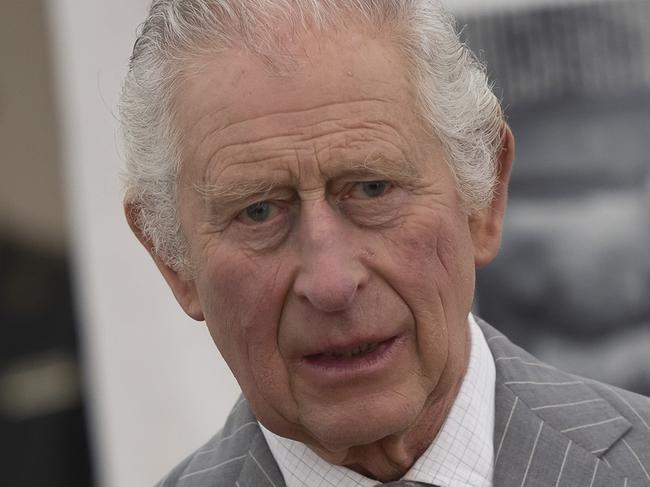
379	166
232	193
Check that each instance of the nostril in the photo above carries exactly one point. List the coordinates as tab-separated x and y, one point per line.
329	286
329	294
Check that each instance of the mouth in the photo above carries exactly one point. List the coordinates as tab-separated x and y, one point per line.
364	353
354	352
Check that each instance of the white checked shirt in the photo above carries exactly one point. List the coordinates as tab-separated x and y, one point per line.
462	455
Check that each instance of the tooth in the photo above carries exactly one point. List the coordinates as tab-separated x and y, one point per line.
358	350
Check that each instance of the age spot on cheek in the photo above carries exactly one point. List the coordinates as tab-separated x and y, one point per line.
368	253
422	248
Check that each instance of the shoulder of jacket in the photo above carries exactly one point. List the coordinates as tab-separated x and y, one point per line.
218	462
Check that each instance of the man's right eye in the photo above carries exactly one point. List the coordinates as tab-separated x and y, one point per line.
258	212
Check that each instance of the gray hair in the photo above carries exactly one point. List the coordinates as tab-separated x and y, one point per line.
454	95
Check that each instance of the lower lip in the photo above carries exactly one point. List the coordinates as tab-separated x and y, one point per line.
339	368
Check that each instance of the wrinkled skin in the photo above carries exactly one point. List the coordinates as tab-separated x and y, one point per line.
321	213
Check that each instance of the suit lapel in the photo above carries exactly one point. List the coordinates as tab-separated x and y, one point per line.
551	428
260	468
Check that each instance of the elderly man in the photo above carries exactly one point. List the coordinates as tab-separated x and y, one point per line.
318	180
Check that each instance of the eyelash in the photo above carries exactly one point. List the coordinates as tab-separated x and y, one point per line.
358	185
274	207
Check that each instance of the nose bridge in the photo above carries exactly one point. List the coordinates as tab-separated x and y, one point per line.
321	228
330	273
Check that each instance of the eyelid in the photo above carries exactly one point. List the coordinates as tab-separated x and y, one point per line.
277	196
234	199
354	185
245	219
279	208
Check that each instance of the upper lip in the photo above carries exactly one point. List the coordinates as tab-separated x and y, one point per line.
337	348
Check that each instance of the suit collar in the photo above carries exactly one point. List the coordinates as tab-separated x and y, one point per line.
260	468
551	428
237	456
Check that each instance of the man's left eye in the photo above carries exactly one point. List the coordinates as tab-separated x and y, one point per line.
370	189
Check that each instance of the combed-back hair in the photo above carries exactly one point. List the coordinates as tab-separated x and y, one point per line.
453	93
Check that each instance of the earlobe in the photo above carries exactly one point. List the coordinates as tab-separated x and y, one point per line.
486	226
183	287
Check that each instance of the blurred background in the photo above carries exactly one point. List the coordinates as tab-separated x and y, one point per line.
104	382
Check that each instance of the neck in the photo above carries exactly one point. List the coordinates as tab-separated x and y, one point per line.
390	458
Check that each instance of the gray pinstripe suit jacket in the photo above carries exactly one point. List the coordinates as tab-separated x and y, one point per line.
552	429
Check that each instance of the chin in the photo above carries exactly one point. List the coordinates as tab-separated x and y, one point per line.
367	422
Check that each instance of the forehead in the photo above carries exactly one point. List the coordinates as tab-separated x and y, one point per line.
233	98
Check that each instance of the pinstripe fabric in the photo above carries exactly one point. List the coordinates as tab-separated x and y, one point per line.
236	456
552	429
555	429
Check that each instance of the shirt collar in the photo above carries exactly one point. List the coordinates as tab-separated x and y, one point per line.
462	454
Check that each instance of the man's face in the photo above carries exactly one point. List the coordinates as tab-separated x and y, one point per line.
334	266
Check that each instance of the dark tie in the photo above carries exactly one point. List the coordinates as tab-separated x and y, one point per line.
407	483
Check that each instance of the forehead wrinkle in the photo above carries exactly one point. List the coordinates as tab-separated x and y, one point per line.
341	127
305	111
250	149
250	145
211	119
348	136
228	126
223	126
376	164
380	131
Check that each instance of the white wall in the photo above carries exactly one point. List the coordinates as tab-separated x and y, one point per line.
157	385
31	202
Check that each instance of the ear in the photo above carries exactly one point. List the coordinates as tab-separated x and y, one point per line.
183	287
486	225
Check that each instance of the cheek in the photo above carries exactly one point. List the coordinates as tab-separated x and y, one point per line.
431	268
437	254
456	256
242	299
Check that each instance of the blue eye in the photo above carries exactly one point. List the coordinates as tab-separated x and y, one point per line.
259	212
374	189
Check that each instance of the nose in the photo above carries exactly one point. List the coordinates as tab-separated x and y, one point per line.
330	274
